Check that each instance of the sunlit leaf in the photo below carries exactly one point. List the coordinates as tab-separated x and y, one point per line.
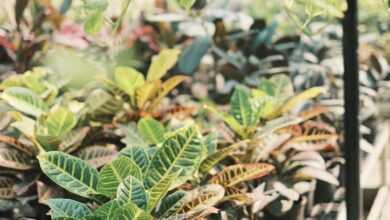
161	63
219	155
94	22
115	173
128	79
240	107
200	199
138	155
151	130
70	172
180	151
235	174
24	100
187	4
132	190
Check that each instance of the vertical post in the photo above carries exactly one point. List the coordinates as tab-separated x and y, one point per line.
351	117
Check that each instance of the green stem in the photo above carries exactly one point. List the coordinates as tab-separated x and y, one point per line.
122	15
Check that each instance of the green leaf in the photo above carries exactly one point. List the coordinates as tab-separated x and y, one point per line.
24	100
219	155
159	190
138	155
15	159
130	211
67	208
241	108
132	137
229	120
51	128
162	63
151	130
57	122
181	151
107	211
132	190
69	172
170	204
192	55
94	22
115	173
99	102
128	79
187	4
24	124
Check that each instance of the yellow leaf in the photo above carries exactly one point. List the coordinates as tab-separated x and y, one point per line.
162	63
307	94
166	87
128	79
145	93
235	174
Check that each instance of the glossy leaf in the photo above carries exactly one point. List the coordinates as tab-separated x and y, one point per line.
305	95
107	211
200	199
51	128
240	107
219	155
138	155
159	190
67	208
235	174
24	100
115	173
132	190
148	91
170	204
69	172
151	130
180	151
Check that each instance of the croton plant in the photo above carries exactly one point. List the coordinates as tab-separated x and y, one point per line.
100	153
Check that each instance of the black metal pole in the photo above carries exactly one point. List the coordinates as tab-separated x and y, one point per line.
351	117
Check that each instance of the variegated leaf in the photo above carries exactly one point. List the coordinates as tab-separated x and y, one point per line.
235	174
132	190
67	208
151	130
70	172
97	156
6	188
15	159
138	155
115	173
199	200
181	151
